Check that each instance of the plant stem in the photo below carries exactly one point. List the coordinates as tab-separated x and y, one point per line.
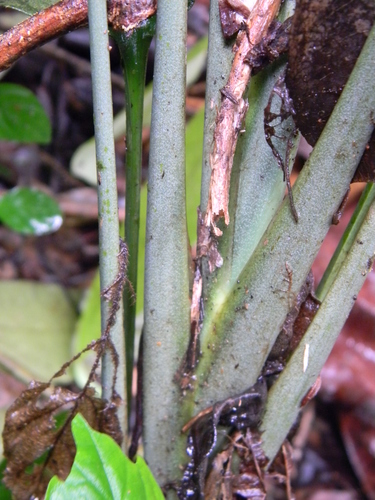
286	394
133	48
245	328
167	308
346	242
107	195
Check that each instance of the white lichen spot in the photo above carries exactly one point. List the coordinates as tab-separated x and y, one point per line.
306	357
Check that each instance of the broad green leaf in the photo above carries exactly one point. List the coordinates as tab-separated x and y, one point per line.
27	6
36	325
102	472
29	211
22	117
5	494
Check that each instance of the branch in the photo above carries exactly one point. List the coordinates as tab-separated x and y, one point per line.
233	110
65	16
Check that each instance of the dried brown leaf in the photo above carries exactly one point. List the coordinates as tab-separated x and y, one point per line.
34	446
326	39
30	431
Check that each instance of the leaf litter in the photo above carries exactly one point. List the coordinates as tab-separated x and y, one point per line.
35	446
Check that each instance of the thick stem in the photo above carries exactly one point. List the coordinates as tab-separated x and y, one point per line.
166	328
107	195
236	342
308	359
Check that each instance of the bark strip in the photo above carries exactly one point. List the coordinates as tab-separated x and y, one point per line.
233	110
63	17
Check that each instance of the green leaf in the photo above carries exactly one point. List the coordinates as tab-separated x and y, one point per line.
5	494
88	328
36	324
29	211
102	472
27	6
22	117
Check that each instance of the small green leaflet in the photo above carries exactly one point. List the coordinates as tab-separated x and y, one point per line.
30	211
22	117
102	472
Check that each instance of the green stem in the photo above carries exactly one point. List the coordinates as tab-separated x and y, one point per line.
346	242
107	195
303	368
167	308
133	48
236	342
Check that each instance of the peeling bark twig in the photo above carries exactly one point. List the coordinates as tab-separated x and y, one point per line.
65	16
232	111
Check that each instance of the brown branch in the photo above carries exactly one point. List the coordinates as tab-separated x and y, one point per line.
50	23
233	109
65	16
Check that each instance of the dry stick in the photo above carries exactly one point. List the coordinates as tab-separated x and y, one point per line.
233	110
65	16
41	28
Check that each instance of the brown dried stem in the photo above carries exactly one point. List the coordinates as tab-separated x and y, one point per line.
233	109
65	16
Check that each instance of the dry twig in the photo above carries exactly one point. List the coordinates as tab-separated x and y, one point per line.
65	16
233	109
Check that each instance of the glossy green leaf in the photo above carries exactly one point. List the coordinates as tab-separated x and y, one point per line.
29	211
102	472
27	6
22	117
36	324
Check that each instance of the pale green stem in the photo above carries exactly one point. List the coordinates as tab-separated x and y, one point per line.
346	242
237	341
166	328
307	361
107	195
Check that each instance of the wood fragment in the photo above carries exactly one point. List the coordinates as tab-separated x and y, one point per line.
232	111
41	28
65	16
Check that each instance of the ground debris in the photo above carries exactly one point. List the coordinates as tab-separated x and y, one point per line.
38	442
241	471
36	447
241	412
